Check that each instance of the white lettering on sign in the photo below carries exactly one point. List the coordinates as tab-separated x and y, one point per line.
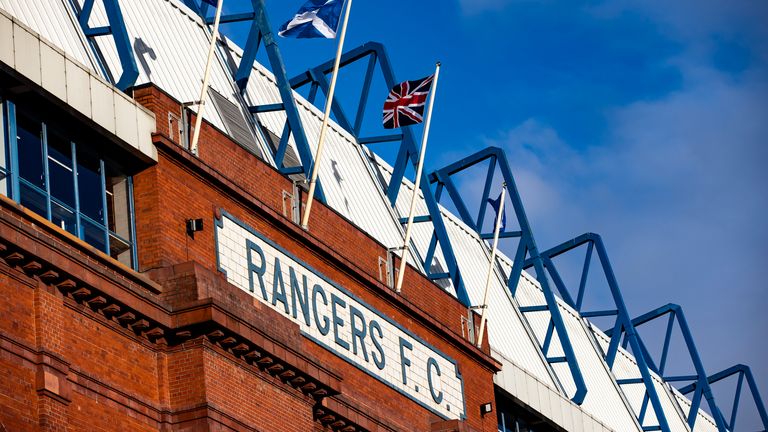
337	320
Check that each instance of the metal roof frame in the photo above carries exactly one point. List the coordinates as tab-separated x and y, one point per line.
526	247
623	323
702	388
119	33
261	32
376	54
742	372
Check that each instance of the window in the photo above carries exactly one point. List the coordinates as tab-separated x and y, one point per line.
4	170
53	173
512	417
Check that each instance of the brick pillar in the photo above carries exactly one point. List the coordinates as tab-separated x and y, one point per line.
52	385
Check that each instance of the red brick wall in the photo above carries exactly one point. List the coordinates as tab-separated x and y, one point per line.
87	344
206	184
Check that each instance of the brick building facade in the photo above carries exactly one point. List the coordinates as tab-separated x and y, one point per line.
144	286
88	343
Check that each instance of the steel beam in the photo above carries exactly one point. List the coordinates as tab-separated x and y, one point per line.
622	326
260	33
702	388
375	54
526	246
119	33
743	372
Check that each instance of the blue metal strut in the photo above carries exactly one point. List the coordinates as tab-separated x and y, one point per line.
742	372
260	32
702	388
526	247
119	33
622	325
375	54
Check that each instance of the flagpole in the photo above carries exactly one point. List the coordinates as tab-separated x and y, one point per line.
417	182
204	90
496	228
324	126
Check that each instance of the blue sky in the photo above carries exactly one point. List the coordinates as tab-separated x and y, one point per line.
643	120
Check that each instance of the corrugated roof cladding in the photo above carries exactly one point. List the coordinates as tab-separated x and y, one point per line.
171	46
349	184
180	43
55	21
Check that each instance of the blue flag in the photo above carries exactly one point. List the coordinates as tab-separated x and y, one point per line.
315	19
213	3
495	204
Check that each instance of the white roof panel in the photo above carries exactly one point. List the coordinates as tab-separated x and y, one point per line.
345	174
507	330
54	20
171	48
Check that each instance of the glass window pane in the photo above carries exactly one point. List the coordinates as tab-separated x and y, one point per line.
60	172
63	217
117	204
94	235
89	187
33	200
4	182
30	143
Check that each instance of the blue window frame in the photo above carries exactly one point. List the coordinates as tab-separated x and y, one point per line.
76	189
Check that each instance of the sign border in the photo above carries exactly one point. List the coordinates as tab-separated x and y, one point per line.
218	224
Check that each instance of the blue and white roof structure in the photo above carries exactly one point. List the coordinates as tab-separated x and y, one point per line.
171	43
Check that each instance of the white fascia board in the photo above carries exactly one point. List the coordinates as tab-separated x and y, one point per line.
77	86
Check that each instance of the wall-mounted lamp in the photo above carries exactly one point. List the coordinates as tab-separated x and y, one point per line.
193	226
486	408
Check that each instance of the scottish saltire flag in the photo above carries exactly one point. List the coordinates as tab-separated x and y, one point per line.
495	204
405	103
213	3
315	19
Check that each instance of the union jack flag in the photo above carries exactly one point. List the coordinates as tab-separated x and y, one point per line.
405	103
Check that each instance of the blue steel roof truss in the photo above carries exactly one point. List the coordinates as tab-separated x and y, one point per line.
622	324
260	32
526	247
375	54
119	33
674	314
742	372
